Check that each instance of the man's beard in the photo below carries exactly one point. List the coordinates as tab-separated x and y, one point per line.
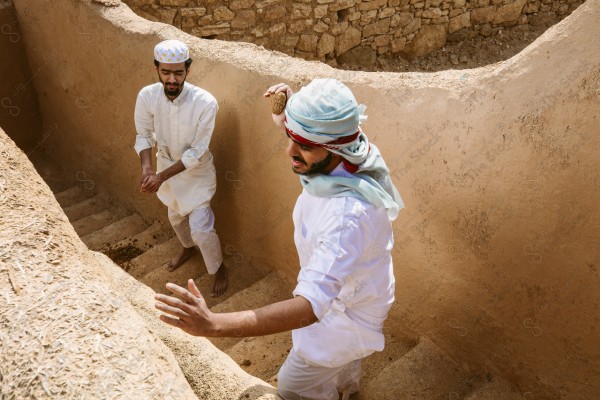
172	92
316	168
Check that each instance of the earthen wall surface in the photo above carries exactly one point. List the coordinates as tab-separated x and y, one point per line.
351	31
495	254
19	111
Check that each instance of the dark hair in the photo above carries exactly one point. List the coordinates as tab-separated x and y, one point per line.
187	63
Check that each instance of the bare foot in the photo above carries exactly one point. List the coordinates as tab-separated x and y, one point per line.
179	259
221	279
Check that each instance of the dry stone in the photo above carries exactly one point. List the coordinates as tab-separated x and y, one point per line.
398	44
173	2
509	12
483	15
274	13
459	22
326	45
240	4
223	14
300	26
358	56
429	38
277	29
206	20
371	5
291	41
341	5
404	18
211	30
308	43
368	17
244	19
432	13
300	10
387	12
321	10
321	27
382	40
378	28
347	40
267	3
413	26
336	29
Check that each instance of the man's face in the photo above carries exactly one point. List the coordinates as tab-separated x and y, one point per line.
308	160
172	76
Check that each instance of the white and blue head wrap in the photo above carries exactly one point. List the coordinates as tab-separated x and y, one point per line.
325	113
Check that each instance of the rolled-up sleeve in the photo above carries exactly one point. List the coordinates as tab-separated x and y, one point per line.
331	263
192	156
144	124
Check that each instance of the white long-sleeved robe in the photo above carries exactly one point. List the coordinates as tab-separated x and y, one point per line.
181	130
346	272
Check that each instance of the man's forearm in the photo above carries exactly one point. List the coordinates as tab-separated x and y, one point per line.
171	171
274	318
146	159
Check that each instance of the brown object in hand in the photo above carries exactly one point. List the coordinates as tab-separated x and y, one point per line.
278	101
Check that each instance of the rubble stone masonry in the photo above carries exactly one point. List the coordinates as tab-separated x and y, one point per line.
358	30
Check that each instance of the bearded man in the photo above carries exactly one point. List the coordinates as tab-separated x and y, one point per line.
178	118
343	235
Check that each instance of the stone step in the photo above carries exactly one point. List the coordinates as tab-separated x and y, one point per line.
495	389
154	258
397	344
70	196
127	249
115	232
84	208
94	222
241	275
262	356
270	289
157	278
424	373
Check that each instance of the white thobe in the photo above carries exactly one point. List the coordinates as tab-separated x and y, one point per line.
181	130
346	273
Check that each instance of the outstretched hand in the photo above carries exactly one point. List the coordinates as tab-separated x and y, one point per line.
280	87
188	311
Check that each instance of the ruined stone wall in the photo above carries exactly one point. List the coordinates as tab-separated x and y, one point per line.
350	31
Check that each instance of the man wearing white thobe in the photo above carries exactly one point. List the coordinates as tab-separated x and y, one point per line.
343	235
178	118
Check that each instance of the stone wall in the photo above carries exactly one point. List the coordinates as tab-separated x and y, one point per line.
350	31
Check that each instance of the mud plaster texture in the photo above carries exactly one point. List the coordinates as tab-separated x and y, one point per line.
496	254
19	111
74	325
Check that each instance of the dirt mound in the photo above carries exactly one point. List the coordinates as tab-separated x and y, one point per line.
67	325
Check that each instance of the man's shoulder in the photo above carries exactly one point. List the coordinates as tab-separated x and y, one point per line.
151	89
200	94
342	206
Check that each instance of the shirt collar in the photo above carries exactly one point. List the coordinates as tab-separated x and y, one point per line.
181	96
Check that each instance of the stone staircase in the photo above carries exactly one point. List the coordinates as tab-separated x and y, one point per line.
408	368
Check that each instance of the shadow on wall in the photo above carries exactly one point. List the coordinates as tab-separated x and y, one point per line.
19	113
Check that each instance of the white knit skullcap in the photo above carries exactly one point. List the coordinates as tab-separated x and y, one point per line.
171	52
